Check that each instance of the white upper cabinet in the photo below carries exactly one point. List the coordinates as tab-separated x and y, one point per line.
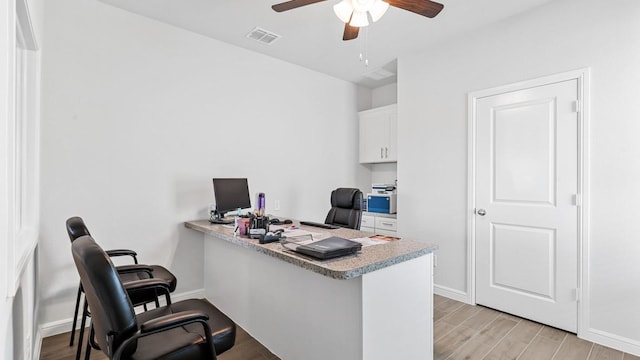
379	134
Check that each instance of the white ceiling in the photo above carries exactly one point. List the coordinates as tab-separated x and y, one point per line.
312	35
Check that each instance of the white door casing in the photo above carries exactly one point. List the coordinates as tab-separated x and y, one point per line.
526	184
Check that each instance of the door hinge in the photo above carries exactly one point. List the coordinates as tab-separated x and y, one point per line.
577	200
576	106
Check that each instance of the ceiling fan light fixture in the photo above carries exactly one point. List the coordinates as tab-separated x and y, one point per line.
362	5
343	10
359	19
378	9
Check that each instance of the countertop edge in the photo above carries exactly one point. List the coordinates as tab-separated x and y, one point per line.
302	262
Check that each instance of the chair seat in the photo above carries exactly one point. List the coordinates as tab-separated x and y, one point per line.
177	342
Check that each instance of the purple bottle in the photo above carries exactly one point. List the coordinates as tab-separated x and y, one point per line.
261	204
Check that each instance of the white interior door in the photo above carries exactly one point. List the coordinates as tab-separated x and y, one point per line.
526	224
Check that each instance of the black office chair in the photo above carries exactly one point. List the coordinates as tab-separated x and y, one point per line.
76	228
189	329
346	208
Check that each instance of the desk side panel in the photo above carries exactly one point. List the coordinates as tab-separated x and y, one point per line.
295	313
398	311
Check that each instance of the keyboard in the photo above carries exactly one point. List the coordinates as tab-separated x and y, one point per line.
320	225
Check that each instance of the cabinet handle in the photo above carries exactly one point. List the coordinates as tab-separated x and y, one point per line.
381	153
386	152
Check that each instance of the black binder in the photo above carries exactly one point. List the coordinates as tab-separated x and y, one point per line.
330	248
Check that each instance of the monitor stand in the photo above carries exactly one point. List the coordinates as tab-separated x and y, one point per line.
216	218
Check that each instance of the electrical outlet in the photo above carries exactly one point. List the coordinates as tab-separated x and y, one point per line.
276	205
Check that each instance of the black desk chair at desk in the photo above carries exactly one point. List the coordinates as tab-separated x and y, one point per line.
346	208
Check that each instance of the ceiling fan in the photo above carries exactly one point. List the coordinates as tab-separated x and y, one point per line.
355	13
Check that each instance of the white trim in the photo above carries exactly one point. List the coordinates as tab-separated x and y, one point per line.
584	116
37	345
55	327
612	340
7	102
64	325
452	294
25	257
23	19
193	294
582	76
532	83
471	196
24	174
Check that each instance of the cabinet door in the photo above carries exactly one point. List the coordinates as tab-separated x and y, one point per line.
374	132
391	153
368	222
388	224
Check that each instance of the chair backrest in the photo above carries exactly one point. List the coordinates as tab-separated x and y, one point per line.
346	208
112	314
76	228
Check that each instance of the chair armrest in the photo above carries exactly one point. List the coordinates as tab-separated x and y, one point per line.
169	322
123	252
172	320
135	268
158	286
144	284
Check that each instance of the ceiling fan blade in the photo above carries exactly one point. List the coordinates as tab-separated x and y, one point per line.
288	5
421	7
350	32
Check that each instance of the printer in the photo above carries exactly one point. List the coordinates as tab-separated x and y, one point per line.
382	199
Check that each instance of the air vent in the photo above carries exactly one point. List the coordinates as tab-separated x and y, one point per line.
263	36
379	74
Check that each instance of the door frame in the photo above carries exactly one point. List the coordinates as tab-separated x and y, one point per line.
583	78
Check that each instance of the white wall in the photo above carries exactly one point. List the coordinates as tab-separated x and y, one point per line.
138	116
384	95
564	35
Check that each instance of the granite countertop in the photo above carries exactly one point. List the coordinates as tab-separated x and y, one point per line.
370	259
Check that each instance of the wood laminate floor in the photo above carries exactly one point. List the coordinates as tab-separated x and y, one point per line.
246	348
461	332
477	333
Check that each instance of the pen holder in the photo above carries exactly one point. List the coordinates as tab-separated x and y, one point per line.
243	226
259	222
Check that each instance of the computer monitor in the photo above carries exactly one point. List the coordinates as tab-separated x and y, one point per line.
230	194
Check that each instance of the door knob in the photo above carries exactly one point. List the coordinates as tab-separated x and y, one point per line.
481	212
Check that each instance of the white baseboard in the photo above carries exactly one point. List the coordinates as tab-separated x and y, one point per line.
55	327
452	294
64	325
611	340
193	294
37	345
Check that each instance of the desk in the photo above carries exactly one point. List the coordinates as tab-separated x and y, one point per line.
376	305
